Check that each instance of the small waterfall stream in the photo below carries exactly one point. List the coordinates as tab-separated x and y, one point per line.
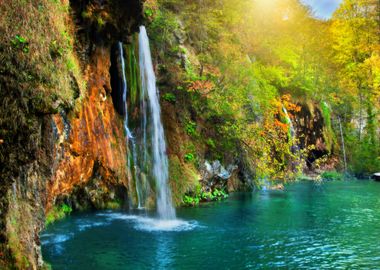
294	147
124	86
290	123
131	144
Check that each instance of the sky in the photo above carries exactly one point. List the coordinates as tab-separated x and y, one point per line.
323	8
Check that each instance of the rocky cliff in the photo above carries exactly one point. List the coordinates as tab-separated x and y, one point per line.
61	139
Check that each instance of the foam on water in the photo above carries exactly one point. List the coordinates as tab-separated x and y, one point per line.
47	239
152	225
84	225
149	224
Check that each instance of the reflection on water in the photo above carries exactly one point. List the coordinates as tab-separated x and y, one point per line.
164	251
333	225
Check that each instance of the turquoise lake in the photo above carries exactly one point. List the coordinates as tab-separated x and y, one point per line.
333	225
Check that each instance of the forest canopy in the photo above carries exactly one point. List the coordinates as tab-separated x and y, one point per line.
252	59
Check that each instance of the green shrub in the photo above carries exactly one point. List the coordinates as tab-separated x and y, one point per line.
195	198
169	97
148	12
332	175
190	128
190	201
220	194
189	157
207	196
211	143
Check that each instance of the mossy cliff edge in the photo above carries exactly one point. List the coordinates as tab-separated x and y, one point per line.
59	132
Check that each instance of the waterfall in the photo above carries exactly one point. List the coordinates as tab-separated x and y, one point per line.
343	146
294	148
152	120
147	159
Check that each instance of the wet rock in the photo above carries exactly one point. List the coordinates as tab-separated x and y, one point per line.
107	21
216	171
51	150
376	176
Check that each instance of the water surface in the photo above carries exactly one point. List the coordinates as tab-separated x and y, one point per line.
333	225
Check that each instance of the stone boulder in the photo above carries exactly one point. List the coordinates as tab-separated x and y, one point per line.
215	173
376	176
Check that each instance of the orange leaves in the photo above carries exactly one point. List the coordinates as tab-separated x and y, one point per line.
284	127
285	102
212	71
290	107
276	123
202	87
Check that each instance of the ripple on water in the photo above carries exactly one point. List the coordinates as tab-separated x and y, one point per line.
87	224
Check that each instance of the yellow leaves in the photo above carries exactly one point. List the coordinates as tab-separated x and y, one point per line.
372	65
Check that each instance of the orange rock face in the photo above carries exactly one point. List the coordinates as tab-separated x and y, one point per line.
92	135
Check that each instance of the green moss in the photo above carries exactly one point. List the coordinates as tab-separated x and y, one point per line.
115	204
20	43
18	231
183	178
133	73
57	213
45	58
47	266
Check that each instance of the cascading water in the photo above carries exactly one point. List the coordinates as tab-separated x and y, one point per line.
152	120
292	137
124	87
